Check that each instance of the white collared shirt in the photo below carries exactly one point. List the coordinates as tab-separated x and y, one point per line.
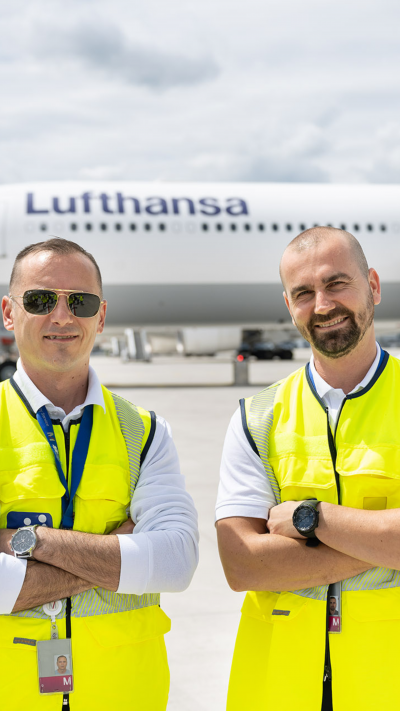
244	488
161	554
333	397
37	400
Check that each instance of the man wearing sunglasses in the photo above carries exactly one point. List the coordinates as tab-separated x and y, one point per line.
95	521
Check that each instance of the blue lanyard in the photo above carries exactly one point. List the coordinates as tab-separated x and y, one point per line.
78	458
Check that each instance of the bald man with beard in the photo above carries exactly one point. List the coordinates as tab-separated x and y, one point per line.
310	496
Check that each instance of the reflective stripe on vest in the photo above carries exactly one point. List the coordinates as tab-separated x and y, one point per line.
280	648
29	480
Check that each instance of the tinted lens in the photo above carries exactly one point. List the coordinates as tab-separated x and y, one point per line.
39	302
84	305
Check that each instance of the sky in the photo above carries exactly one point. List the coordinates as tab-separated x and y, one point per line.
212	90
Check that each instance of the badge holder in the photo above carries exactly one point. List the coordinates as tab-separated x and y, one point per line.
335	608
55	658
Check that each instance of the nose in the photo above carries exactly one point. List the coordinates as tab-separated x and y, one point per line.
323	303
61	314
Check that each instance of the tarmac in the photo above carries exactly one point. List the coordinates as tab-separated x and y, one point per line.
193	395
205	617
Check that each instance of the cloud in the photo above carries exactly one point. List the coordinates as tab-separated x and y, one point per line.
386	155
200	91
106	47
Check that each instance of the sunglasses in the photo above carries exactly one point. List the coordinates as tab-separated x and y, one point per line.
41	302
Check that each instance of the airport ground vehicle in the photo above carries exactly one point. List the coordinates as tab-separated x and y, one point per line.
8	354
265	351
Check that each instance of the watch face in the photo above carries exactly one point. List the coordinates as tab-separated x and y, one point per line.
23	541
305	519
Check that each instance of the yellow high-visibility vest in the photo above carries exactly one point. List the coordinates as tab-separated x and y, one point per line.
280	648
118	651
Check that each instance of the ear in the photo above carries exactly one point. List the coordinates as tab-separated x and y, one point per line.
375	285
8	316
103	309
288	306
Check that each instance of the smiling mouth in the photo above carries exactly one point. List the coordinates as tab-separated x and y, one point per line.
61	338
331	323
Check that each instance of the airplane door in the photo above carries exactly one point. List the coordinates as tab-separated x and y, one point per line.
3	229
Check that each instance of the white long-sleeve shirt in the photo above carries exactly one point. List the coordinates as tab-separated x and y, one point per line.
161	554
244	488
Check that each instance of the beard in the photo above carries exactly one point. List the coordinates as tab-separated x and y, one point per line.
340	341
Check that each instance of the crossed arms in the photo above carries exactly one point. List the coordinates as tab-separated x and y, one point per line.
160	556
352	541
67	563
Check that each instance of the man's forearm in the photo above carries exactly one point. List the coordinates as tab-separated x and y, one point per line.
44	583
91	557
372	536
253	561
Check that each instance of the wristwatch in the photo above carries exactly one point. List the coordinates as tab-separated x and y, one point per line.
305	518
23	541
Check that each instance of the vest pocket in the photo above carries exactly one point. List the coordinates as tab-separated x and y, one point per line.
102	499
371	605
32	493
274	607
125	628
369	491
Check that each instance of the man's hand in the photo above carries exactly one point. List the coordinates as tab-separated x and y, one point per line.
126	527
5	538
280	520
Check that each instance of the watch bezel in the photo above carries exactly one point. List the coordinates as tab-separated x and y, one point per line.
26	552
312	507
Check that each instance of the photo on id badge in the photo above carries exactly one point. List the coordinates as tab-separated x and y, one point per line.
334	604
55	666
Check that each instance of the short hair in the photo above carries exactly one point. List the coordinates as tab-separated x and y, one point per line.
313	236
57	245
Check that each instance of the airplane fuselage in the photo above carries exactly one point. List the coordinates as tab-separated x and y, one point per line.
191	253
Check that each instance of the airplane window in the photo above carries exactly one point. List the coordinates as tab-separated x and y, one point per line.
329	225
247	227
73	226
233	227
370	228
383	228
118	226
103	226
261	227
88	226
147	226
288	227
316	224
302	227
204	227
356	228
343	227
161	226
132	226
219	226
43	228
275	227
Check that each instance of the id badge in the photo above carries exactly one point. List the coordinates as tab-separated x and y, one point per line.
55	666
335	607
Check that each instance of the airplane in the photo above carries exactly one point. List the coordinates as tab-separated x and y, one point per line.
186	255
